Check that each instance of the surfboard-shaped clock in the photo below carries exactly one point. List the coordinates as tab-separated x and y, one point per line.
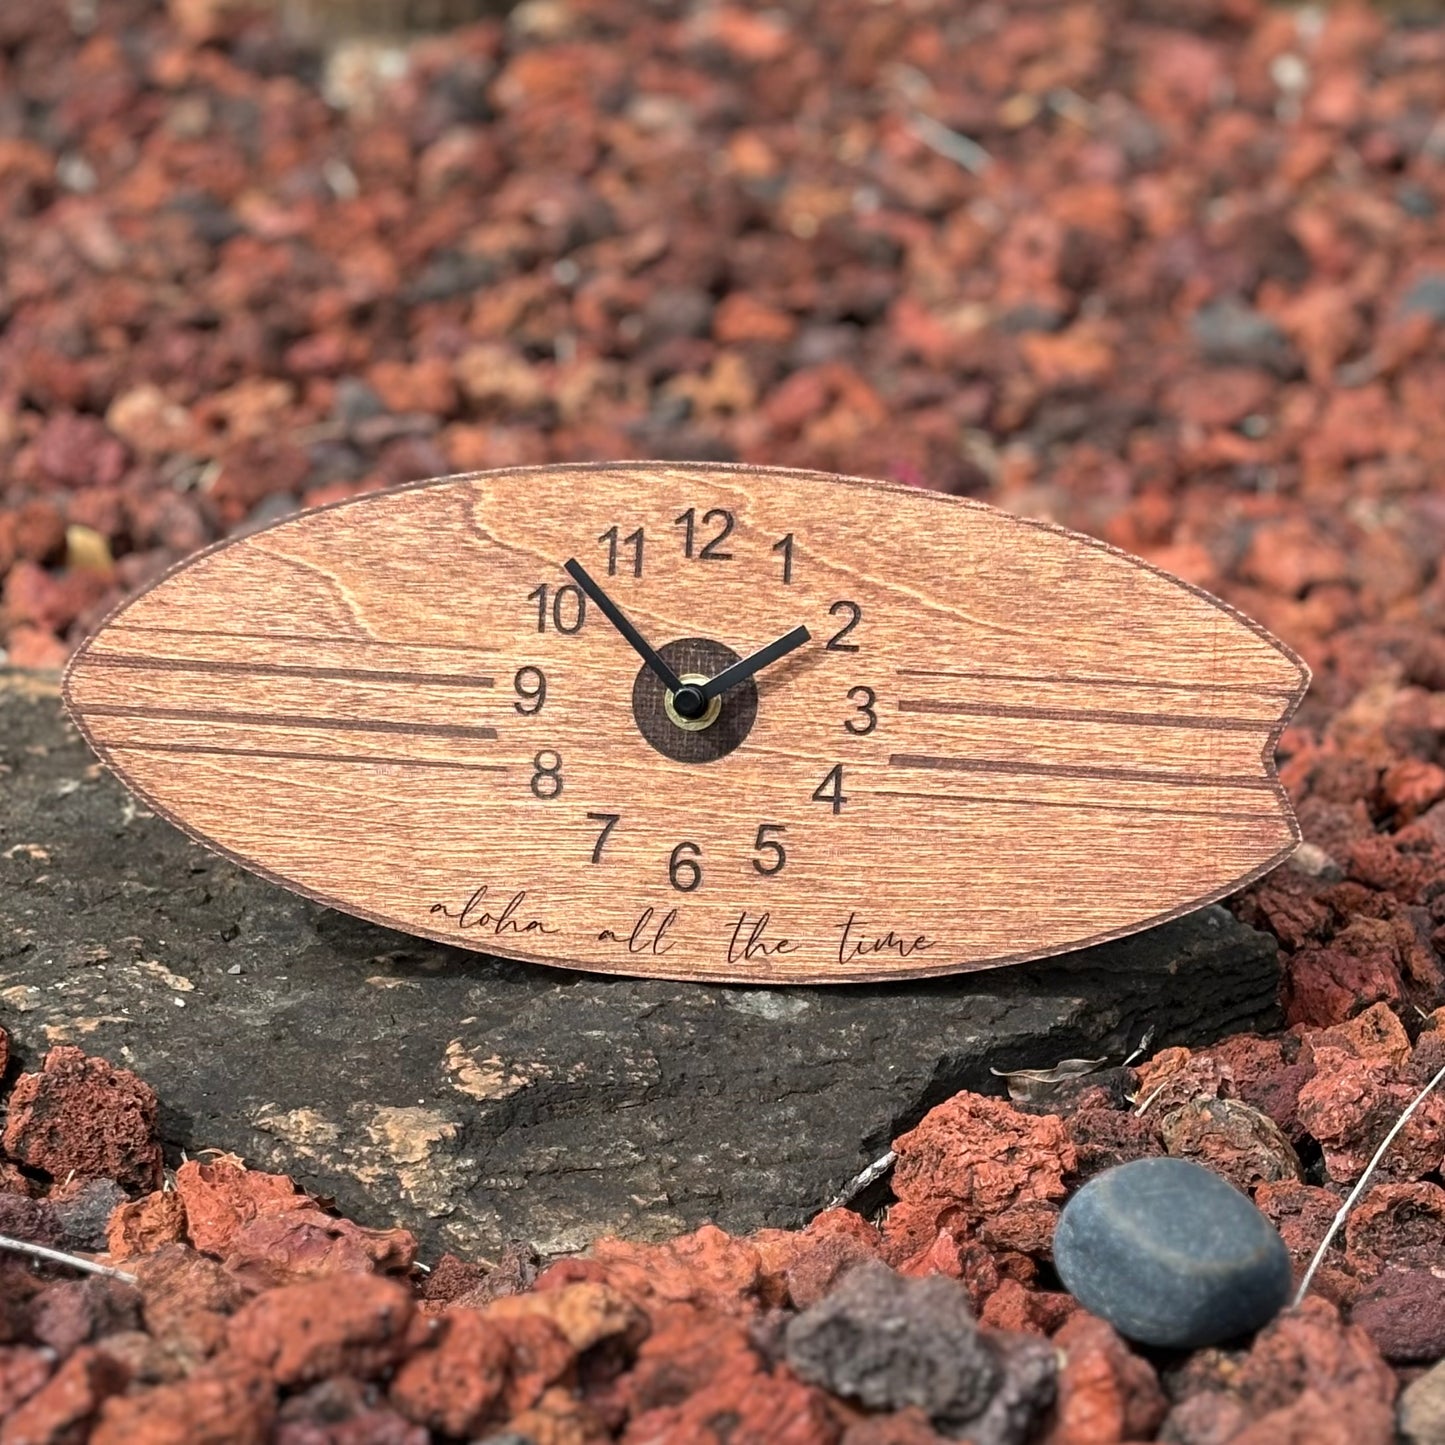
704	722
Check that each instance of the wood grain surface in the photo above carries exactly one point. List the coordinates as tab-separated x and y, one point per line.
1043	742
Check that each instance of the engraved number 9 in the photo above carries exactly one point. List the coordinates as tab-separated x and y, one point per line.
531	686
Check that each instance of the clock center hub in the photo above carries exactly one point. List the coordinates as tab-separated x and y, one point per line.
688	708
683	725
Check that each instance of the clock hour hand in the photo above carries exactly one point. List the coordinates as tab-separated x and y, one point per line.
730	677
614	614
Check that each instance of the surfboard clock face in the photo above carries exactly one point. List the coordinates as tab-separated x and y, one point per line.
702	722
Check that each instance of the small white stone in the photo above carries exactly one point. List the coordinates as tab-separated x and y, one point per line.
1311	859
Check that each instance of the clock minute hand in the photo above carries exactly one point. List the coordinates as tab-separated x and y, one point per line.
574	569
730	677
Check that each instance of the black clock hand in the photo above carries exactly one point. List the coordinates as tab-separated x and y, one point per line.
674	684
729	677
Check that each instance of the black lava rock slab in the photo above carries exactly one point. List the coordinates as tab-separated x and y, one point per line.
475	1099
1170	1254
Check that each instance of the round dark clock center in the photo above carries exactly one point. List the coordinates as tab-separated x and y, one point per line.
719	729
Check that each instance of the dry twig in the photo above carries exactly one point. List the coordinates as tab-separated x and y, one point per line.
1359	1188
57	1256
860	1181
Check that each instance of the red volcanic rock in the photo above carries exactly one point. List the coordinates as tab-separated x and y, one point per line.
1350	1105
831	1244
456	1385
540	1358
1020	1310
423	386
561	1417
23	1370
143	1225
1025	1229
1238	1143
1319	1418
584	1314
77	451
62	1409
221	1198
454	1281
1398	1224
302	1243
899	1427
1308	1348
975	1157
346	1410
1360	966
801	1266
1375	1036
350	1323
1404	1313
33	532
50	601
751	1404
1106	1392
188	1300
1103	1138
1303	1214
1411	786
687	1350
81	1117
35	1220
218	1405
706	1267
1177	1076
74	1312
1306	1370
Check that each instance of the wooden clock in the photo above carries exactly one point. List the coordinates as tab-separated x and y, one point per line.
704	722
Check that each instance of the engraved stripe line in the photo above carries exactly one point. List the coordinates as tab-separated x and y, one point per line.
1077	770
1083	680
119	625
289	720
306	757
284	669
1087	714
1163	808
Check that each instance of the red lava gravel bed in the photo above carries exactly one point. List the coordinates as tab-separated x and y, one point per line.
249	1313
1171	273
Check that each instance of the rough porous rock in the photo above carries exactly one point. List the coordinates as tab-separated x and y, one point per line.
84	1208
1399	1224
23	1370
473	1100
1404	1313
457	1385
217	1405
221	1197
1105	1391
1238	1143
355	1324
1170	1254
141	1226
81	1117
890	1342
64	1407
974	1159
1306	1370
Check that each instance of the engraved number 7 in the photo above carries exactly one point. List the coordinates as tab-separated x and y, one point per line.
609	821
